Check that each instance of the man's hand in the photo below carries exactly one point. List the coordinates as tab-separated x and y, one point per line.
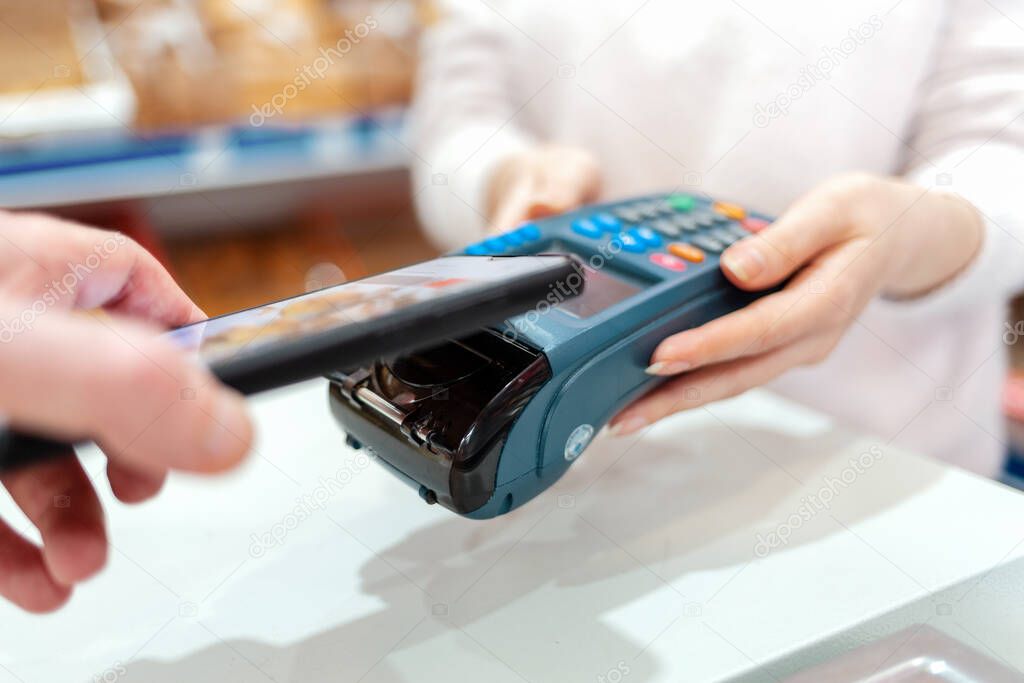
541	182
843	243
108	376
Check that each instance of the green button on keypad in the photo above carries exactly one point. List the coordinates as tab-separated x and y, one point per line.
681	202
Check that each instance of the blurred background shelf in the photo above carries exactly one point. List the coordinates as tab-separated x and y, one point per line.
68	170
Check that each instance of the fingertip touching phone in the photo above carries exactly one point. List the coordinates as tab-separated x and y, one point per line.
312	334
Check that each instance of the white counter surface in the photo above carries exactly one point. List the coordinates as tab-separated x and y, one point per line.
650	561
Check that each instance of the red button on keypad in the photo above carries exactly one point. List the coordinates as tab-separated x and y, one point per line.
668	262
755	224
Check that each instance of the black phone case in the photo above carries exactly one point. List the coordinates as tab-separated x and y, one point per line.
405	330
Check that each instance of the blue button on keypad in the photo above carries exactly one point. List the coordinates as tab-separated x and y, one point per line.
529	232
587	228
631	243
647	236
476	250
495	245
607	222
512	239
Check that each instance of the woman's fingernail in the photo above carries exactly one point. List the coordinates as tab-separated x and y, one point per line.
229	428
628	426
745	262
670	367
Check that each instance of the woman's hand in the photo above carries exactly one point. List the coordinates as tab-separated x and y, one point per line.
843	243
74	374
542	182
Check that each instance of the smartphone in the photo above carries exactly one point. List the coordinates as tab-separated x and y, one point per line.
309	335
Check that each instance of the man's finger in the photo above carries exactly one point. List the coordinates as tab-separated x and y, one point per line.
133	484
24	579
58	498
68	265
142	400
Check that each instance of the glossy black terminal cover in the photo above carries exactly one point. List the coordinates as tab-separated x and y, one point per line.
440	416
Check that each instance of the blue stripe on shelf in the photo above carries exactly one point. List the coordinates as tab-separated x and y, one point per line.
33	157
16	162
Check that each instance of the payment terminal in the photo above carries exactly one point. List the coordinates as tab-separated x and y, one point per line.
483	423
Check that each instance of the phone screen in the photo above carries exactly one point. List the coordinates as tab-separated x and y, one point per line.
361	301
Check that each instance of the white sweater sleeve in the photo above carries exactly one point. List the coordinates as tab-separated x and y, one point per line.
463	119
968	138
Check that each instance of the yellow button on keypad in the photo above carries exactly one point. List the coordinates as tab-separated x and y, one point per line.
737	213
686	251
